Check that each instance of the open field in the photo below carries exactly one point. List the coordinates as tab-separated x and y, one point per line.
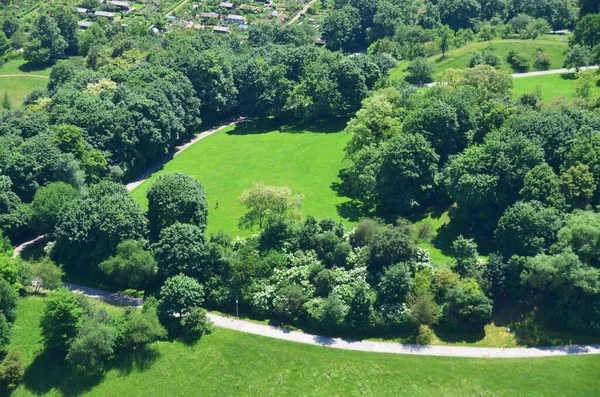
18	87
458	58
231	160
552	86
233	363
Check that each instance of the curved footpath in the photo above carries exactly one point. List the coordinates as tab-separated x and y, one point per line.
25	75
349	344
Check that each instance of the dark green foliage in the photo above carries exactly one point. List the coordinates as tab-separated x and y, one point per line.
45	42
132	267
61	319
181	248
5	332
89	230
93	345
527	228
488	56
11	371
390	246
48	203
395	284
464	250
141	328
587	31
519	62
406	176
178	296
466	308
581	234
570	289
542	184
196	323
421	71
47	275
176	197
8	300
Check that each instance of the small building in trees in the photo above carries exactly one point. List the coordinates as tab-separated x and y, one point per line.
227	5
80	10
236	19
209	15
105	14
85	24
122	5
221	29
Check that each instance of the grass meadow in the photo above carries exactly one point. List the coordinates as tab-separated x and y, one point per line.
458	58
228	363
230	161
17	87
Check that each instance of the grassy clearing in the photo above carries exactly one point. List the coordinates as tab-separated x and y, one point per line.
458	58
551	85
231	363
230	161
18	87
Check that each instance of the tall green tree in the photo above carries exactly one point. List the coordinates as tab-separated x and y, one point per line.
176	197
61	319
45	42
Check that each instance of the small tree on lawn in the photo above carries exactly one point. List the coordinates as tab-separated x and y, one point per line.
262	200
577	57
47	275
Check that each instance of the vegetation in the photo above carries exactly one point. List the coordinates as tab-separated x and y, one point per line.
260	362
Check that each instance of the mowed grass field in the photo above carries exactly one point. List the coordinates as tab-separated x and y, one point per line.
229	363
458	58
551	85
17	87
233	159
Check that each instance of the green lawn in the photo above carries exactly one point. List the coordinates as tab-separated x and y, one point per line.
552	86
229	363
18	87
458	58
231	160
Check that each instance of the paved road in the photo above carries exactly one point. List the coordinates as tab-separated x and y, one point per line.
348	344
301	12
25	75
17	251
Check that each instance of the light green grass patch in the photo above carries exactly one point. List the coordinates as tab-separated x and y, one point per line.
17	88
231	160
458	58
228	363
552	86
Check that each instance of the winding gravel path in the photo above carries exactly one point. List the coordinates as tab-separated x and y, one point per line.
349	344
301	12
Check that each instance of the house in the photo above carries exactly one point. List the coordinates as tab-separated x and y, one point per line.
85	24
209	15
220	29
273	14
191	25
80	10
235	18
226	4
123	5
109	15
171	18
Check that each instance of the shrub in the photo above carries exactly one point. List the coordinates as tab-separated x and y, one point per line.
425	335
488	56
196	323
11	371
519	62
421	71
542	59
424	231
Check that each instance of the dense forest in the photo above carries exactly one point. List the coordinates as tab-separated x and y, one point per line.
521	178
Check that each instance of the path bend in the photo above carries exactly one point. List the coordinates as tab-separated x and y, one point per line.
358	345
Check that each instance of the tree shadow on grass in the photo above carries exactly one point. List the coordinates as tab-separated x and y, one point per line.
49	371
460	337
31	68
263	126
568	76
351	210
